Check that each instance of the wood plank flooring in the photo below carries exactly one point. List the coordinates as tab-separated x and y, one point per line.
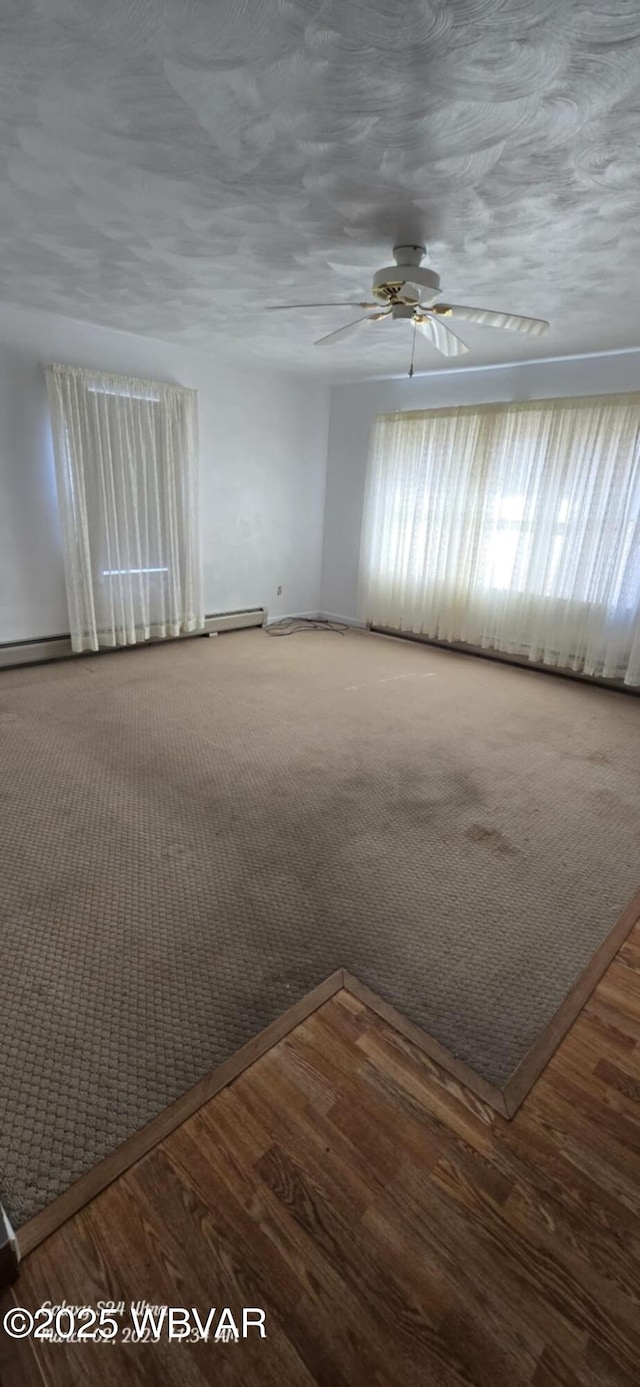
392	1226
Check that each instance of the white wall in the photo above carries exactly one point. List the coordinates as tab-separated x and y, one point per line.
263	439
264	463
354	406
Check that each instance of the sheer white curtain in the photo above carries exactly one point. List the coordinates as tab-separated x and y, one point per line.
510	527
126	455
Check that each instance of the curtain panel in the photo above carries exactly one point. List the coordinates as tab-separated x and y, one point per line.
513	528
126	459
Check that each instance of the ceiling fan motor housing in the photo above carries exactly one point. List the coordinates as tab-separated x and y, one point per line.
407	278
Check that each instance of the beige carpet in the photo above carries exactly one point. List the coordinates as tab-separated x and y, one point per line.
194	835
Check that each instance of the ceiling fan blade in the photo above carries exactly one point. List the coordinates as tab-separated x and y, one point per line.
487	318
446	341
277	307
350	327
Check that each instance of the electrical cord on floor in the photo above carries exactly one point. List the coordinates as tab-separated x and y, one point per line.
290	626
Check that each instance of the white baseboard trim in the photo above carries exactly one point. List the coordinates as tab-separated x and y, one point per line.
346	620
318	616
292	616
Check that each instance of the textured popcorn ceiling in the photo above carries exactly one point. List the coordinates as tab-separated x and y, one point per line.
169	167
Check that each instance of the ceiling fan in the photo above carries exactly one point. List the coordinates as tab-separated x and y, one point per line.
407	291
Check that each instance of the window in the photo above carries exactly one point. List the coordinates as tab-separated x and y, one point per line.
512	527
127	475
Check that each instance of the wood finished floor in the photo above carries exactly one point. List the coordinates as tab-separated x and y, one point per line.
394	1228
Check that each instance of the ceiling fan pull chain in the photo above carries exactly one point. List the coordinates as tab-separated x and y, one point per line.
413	352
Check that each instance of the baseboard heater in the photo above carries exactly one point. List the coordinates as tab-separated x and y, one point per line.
502	658
59	647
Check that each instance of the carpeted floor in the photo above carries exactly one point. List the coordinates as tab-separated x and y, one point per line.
194	835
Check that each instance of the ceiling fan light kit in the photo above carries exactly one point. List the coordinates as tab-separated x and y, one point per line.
409	291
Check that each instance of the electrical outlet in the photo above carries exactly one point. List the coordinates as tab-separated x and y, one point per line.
279	590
